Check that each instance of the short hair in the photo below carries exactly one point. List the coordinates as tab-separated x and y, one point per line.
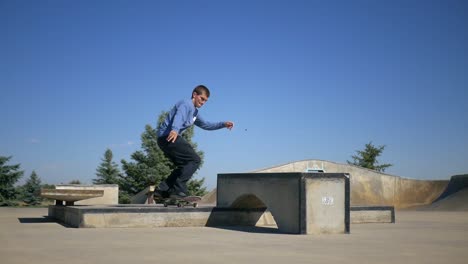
201	89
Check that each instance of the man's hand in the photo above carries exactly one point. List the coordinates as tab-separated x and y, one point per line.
229	125
172	136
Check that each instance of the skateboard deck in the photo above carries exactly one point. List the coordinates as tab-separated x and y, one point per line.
179	202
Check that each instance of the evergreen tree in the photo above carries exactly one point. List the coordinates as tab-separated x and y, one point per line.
9	175
195	187
32	190
74	182
367	158
149	165
47	186
108	171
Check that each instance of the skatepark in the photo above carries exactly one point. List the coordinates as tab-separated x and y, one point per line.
430	226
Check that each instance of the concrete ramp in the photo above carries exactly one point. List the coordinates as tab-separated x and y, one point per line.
457	183
372	188
454	197
455	202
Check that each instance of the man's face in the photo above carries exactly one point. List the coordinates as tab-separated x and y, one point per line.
199	99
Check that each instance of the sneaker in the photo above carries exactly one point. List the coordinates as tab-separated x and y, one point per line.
158	194
178	195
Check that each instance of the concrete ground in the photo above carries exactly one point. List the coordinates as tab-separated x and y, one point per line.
416	237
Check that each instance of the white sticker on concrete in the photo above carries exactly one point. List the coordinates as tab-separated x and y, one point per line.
327	200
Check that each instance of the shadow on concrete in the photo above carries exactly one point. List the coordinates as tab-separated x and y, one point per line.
36	220
39	220
251	229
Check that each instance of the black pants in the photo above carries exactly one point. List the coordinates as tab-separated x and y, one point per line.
186	160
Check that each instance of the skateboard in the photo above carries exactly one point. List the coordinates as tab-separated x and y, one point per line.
179	202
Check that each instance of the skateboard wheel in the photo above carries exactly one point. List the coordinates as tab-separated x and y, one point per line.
179	205
165	204
195	205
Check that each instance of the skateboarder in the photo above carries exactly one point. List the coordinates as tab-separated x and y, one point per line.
183	115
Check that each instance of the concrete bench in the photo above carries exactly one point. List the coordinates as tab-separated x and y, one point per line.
301	203
70	196
111	193
372	214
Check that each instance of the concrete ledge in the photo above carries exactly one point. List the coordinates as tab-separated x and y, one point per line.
372	214
156	216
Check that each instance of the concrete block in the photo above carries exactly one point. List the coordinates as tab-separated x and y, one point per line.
302	203
325	205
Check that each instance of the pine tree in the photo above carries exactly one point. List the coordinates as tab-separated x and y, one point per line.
108	172
9	175
150	166
75	182
367	158
32	190
195	187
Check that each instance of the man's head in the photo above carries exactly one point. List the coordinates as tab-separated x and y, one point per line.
200	95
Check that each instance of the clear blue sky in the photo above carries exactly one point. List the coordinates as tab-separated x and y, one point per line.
300	79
